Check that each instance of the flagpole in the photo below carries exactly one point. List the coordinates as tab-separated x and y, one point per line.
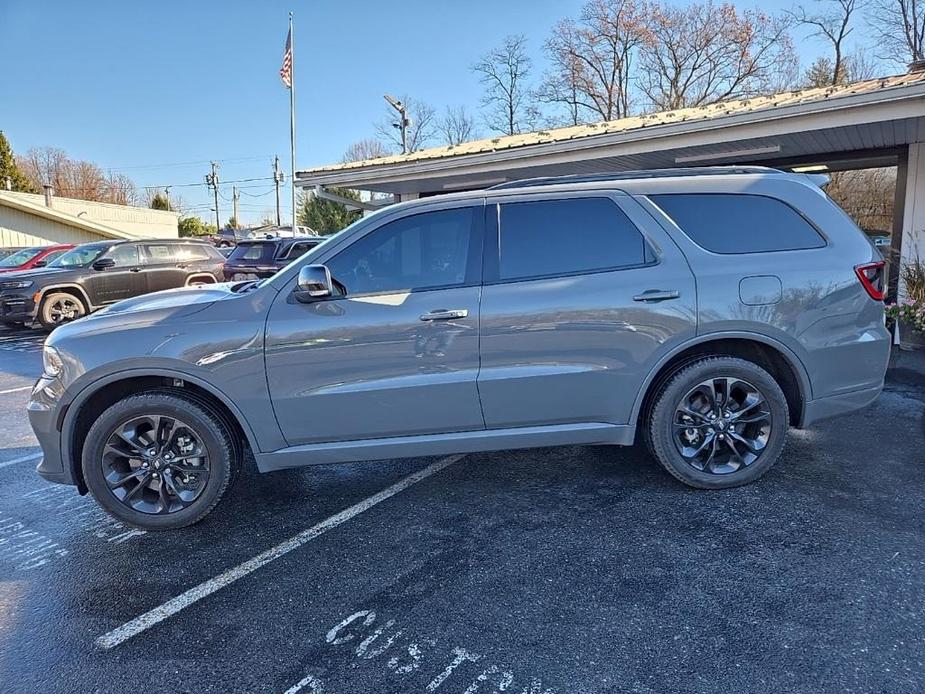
292	121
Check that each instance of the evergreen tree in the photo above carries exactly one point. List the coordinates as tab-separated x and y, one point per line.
326	216
9	169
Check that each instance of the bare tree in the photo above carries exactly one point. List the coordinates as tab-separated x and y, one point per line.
422	130
368	148
457	126
901	28
504	72
832	23
73	178
703	53
593	59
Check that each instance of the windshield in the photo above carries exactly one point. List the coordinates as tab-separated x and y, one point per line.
20	257
77	257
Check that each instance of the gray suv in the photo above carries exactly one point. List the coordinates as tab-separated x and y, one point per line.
703	311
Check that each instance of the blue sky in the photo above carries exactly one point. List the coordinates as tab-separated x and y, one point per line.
156	90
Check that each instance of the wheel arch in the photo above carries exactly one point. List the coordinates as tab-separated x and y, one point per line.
775	357
204	277
74	289
92	400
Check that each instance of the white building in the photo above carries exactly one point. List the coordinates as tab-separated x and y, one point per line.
37	220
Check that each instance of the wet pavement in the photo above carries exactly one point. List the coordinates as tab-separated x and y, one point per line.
581	569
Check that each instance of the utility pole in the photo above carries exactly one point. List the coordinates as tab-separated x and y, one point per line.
403	120
212	182
167	196
8	184
277	178
235	195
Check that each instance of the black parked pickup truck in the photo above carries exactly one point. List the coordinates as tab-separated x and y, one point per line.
94	275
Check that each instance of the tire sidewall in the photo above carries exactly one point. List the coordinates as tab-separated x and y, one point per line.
212	436
48	299
661	423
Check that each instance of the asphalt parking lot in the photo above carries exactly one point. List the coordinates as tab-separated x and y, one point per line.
582	569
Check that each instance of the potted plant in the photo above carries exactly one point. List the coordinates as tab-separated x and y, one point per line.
910	312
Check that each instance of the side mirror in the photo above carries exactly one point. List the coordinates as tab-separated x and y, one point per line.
314	283
104	264
39	263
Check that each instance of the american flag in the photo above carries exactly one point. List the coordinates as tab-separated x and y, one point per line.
285	72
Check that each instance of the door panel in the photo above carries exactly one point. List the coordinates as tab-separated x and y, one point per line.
577	348
398	353
125	280
162	267
370	367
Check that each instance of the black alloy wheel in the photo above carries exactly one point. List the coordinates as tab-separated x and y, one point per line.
722	425
155	464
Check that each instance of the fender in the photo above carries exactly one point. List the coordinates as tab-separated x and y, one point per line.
795	363
73	407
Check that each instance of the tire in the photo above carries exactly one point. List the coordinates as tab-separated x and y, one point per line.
164	477
733	450
58	308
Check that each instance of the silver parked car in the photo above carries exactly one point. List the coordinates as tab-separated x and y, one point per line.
704	311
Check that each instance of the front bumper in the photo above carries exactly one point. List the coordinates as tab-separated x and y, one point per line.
45	416
16	307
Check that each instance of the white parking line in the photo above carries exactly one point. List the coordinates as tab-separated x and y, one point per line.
14	390
197	593
25	458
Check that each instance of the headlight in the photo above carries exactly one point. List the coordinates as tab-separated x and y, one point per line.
51	362
18	284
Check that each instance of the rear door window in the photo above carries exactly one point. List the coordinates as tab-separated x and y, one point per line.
125	255
547	238
161	253
740	223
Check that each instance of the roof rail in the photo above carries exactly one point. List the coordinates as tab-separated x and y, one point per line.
633	175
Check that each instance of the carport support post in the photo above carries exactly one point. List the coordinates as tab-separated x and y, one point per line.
912	240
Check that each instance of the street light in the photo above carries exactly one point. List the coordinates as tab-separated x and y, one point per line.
403	123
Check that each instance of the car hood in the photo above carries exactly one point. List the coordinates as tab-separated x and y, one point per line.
183	301
37	273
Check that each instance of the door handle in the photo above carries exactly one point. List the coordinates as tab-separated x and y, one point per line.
445	314
653	295
135	269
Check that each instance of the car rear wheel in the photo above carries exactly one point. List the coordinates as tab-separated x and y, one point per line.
719	422
158	460
58	308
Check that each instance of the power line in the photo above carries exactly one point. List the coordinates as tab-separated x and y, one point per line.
190	185
181	163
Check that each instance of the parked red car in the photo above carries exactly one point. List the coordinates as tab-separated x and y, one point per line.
29	258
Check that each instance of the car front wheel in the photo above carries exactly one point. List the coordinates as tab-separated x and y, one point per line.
158	460
58	308
719	422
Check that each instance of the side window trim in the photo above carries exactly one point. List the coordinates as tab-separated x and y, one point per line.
492	260
472	272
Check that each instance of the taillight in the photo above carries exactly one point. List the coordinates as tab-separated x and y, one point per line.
871	276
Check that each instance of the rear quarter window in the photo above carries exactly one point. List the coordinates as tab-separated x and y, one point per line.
732	224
